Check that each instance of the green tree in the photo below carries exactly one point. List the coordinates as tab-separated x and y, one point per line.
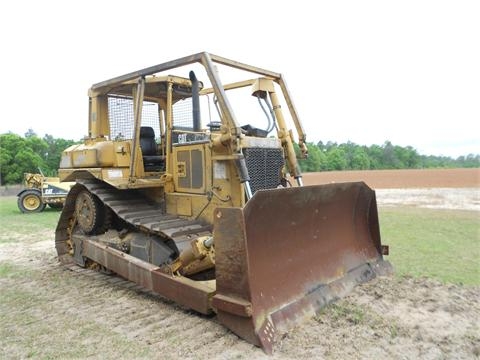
390	159
469	161
375	155
349	155
321	145
360	159
348	149
37	145
315	161
336	159
19	155
407	157
54	152
30	133
316	158
11	171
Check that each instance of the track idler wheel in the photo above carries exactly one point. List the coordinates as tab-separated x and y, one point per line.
91	214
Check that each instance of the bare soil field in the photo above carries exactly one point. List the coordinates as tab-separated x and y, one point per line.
429	188
49	311
401	179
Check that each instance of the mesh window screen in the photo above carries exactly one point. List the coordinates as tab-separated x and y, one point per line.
121	116
182	115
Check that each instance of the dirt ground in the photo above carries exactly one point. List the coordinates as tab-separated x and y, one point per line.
84	314
401	179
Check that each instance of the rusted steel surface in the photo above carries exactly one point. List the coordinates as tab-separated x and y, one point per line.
291	251
232	305
192	294
124	265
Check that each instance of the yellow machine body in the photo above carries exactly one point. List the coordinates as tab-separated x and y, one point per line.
175	192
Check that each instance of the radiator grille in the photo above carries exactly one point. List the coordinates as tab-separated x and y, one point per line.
264	167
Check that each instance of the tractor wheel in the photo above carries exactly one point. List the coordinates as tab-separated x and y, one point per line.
91	214
30	201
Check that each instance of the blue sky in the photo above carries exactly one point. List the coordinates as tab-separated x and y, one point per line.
367	72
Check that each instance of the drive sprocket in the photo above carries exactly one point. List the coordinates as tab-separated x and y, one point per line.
91	215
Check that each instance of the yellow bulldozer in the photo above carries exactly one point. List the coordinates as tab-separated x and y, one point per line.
190	187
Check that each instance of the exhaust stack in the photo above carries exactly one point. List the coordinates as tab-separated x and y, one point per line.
197	123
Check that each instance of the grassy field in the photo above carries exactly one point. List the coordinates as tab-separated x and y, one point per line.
13	223
49	312
440	244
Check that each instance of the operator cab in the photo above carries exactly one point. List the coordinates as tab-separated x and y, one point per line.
156	119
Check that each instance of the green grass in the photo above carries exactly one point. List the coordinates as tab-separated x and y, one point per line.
14	223
350	313
440	244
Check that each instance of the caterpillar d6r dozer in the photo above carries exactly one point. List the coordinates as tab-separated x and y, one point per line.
207	215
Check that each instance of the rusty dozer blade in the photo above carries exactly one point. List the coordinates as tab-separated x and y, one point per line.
289	252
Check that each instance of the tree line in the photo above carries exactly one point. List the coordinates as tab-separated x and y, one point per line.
29	153
350	156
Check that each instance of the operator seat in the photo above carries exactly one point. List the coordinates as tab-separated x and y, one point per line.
151	160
